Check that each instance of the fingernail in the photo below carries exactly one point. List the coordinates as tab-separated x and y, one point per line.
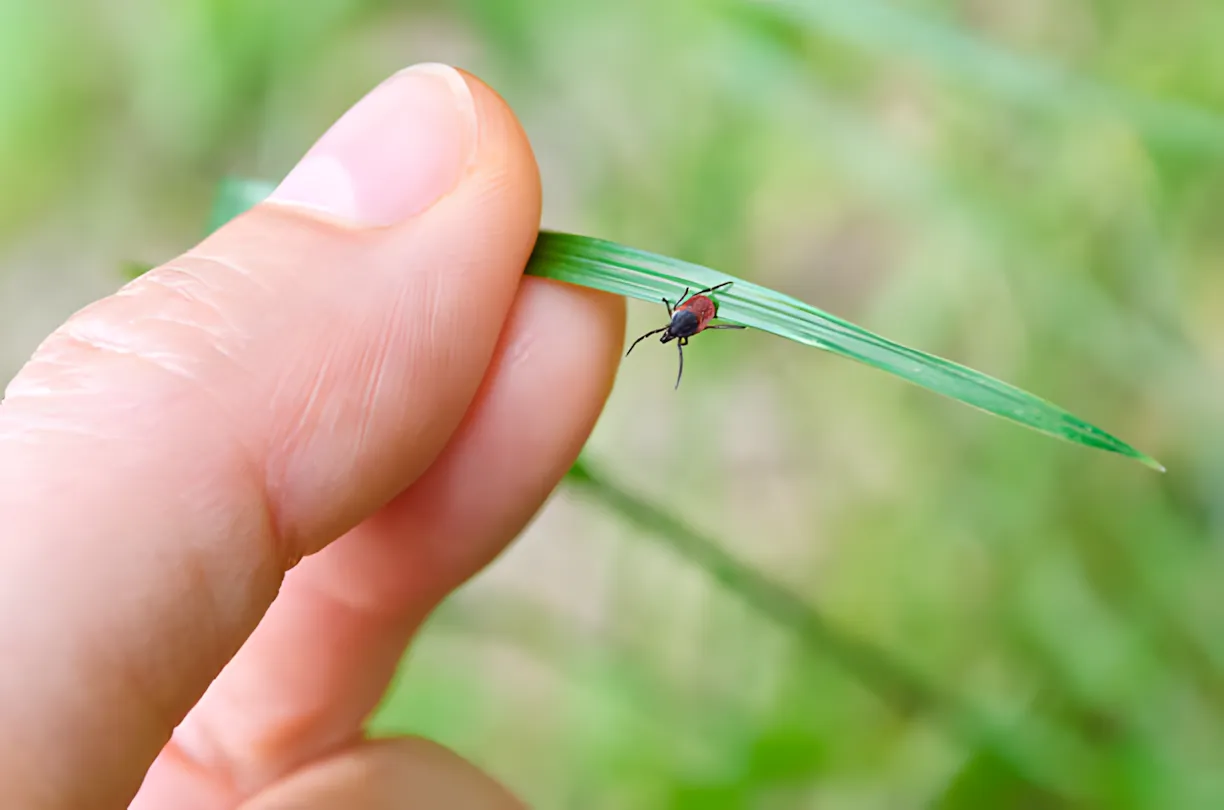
394	154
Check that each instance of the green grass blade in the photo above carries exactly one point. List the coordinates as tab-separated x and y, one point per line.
1033	753
638	274
889	679
626	271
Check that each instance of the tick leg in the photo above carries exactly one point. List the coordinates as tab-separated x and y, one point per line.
684	295
726	326
680	348
643	337
667	304
712	289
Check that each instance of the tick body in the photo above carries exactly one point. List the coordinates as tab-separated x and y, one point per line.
690	316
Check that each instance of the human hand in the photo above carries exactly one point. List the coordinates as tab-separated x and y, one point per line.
360	358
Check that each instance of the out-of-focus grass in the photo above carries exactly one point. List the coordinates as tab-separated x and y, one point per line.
878	169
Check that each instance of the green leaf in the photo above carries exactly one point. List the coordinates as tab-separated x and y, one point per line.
637	274
621	270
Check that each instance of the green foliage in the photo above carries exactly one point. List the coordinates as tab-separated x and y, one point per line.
896	684
998	73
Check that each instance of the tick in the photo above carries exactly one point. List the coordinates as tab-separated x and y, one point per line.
687	319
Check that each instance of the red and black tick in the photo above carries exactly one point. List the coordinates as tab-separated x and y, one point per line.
687	319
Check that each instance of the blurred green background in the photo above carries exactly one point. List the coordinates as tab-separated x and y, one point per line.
797	582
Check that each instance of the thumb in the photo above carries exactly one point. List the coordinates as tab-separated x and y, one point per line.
171	450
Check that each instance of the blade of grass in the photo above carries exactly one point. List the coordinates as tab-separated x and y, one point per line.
638	274
1045	757
891	681
626	271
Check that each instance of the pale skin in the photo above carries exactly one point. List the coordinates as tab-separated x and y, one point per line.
231	493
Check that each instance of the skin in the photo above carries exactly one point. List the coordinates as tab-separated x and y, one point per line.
231	493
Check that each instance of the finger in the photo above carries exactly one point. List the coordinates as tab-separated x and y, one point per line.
324	654
388	775
173	449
